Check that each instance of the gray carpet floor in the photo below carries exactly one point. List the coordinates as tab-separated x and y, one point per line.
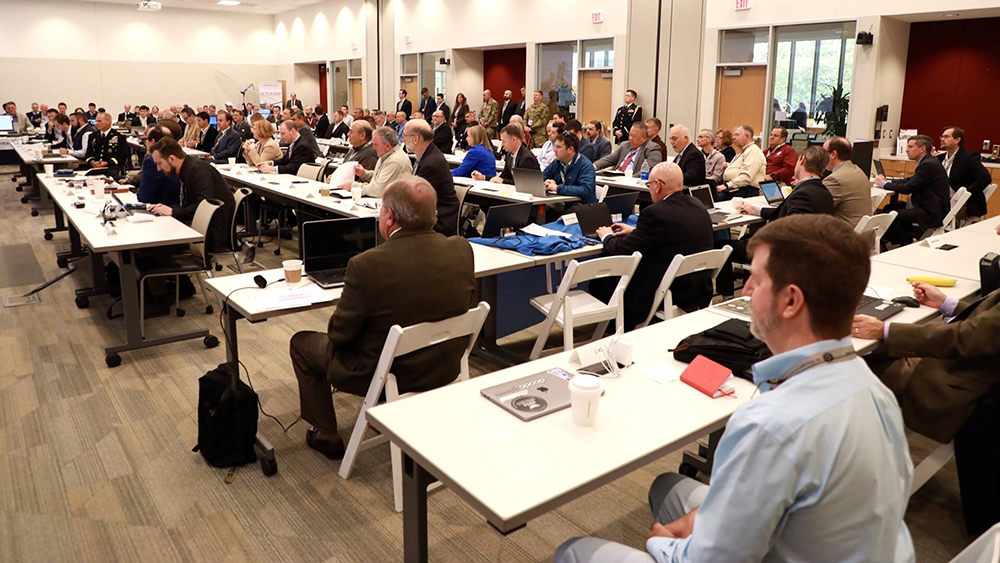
96	463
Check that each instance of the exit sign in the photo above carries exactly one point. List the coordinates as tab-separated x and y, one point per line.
597	17
742	4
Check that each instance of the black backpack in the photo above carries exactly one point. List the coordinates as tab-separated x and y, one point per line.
227	418
729	343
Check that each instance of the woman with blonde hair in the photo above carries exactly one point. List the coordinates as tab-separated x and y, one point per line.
480	156
266	148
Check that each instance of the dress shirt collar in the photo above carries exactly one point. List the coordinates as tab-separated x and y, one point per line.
921	159
837	166
684	150
786	365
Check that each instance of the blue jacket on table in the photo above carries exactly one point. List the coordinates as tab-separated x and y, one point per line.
157	187
478	158
576	179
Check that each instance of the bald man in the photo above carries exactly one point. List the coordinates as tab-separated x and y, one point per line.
689	157
674	224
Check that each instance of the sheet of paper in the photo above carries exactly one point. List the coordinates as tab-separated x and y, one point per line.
660	372
540	231
342	175
281	296
879	291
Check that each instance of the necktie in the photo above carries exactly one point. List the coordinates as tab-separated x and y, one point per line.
627	161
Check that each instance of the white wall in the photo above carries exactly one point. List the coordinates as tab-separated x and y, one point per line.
722	13
320	32
78	52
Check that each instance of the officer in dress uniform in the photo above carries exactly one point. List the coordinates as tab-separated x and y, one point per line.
107	148
627	115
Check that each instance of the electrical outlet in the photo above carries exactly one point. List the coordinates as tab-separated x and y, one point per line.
986	145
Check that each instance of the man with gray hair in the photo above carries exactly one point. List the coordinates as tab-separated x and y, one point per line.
745	173
630	156
362	152
689	158
432	167
392	164
415	276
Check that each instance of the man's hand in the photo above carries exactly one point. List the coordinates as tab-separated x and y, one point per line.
683	526
721	188
745	208
768	178
618	134
867	327
478	176
659	531
499	180
359	170
346	186
189	144
621	229
551	186
929	295
99	164
63	151
266	168
879	180
160	209
603	232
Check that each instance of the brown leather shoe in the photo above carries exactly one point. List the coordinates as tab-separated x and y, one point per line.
332	449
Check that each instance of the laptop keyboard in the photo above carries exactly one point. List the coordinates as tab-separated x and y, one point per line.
325	276
868	300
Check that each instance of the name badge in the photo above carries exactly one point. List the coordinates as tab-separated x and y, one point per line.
569	219
616	217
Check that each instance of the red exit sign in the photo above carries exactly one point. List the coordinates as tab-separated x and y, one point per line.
742	4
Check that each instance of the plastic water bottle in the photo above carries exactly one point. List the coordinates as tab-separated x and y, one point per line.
644	171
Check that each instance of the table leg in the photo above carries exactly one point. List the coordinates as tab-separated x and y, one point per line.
60	223
702	461
415	482
97	284
488	347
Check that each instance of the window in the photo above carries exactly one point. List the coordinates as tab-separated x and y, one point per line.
743	46
557	70
408	66
599	53
355	68
432	72
810	62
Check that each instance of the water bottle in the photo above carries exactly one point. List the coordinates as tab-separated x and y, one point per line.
644	171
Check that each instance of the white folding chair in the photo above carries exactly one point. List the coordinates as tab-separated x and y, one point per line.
931	465
876	202
986	548
958	202
311	171
402	341
877	225
576	308
989	191
602	192
987	194
682	265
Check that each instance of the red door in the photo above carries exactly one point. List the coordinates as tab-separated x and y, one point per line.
322	87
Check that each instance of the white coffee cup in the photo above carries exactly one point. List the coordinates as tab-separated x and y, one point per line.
585	393
737	201
356	194
293	270
232	161
49	168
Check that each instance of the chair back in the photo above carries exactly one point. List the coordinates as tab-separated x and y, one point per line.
242	205
872	227
402	341
578	272
989	191
202	220
310	171
324	149
958	202
985	549
877	201
602	192
680	266
460	192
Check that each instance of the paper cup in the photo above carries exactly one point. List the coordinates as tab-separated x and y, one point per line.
325	192
49	168
232	161
293	270
356	194
585	393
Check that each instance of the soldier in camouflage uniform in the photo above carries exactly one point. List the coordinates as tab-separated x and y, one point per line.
489	114
535	117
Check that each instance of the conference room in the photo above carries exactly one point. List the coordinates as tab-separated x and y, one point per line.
585	280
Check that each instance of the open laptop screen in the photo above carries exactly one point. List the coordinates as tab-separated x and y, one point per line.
6	122
329	244
772	192
704	195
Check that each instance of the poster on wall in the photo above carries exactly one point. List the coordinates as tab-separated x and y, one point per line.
270	93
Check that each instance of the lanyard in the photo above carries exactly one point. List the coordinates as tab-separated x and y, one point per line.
809	362
562	172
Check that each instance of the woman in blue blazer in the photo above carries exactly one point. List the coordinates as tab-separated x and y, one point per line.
480	156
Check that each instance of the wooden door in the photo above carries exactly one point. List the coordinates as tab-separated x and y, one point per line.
740	98
595	97
408	83
323	101
355	93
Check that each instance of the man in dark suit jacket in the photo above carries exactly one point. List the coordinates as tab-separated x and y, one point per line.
432	166
518	156
293	103
443	138
689	157
928	190
508	109
427	104
305	132
362	150
227	143
206	139
339	128
965	170
199	181
241	125
299	152
404	105
522	106
674	224
415	276
945	378
322	124
127	115
443	106
808	196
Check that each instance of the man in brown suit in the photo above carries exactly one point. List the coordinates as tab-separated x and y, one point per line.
416	276
847	183
945	378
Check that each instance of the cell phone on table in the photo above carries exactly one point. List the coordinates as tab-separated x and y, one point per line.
947	247
300	181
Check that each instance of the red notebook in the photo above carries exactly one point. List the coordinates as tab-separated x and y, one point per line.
706	376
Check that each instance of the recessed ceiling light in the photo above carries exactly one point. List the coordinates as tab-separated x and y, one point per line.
229	3
952	15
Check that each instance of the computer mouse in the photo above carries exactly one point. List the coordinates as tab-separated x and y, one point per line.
906	301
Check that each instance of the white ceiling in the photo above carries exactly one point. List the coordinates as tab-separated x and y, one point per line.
247	6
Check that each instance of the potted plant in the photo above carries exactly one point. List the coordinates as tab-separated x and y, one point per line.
837	101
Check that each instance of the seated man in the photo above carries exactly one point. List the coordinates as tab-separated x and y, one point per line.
689	157
928	189
630	156
339	129
77	132
547	154
155	186
362	152
207	133
848	184
392	164
432	166
809	196
306	134
815	468
518	156
746	171
299	152
781	157
199	181
416	276
946	380
106	147
570	174
674	224
227	142
965	170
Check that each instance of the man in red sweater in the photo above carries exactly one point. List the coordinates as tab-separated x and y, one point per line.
781	157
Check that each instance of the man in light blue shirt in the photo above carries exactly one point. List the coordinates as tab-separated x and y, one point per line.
817	467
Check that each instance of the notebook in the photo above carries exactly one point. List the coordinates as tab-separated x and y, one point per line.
706	376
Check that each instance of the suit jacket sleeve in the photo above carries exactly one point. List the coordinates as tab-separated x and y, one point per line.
611	158
653	155
919	180
647	233
970	338
195	194
694	167
348	321
152	182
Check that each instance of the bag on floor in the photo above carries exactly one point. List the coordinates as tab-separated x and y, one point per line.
729	343
227	418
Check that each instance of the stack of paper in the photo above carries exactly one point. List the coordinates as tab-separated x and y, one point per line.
281	296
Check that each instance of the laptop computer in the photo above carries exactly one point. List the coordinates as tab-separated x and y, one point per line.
703	194
213	120
6	123
880	170
878	308
328	245
772	193
529	182
532	396
592	216
510	216
621	205
264	112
